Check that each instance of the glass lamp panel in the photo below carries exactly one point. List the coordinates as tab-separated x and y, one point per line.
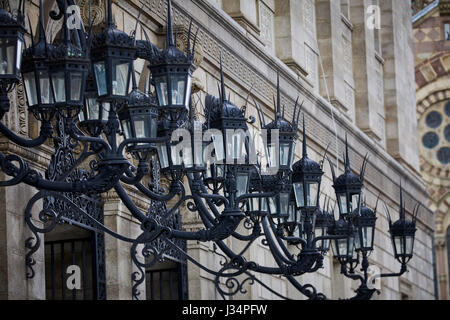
178	87
351	246
162	155
126	129
19	55
177	156
235	147
263	203
76	79
254	204
284	154
218	146
343	203
355	202
311	196
93	109
7	56
81	117
291	160
220	171
30	88
284	203
367	237
46	92
409	245
100	78
271	203
241	183
291	217
357	241
120	77
106	108
59	86
188	91
298	191
398	245
187	157
161	91
140	126
271	156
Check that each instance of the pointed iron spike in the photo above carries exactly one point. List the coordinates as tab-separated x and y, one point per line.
257	111
146	35
41	22
110	22
295	111
305	154
388	215
402	208
188	43
222	81
134	32
376	204
417	213
325	154
31	31
169	36
133	77
332	168
248	95
347	159
278	106
66	29
195	41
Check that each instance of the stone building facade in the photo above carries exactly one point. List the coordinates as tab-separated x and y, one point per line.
431	24
352	77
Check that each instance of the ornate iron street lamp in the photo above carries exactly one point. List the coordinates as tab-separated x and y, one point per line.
239	194
172	71
113	53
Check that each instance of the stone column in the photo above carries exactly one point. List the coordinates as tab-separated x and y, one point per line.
334	33
399	85
289	34
119	266
368	73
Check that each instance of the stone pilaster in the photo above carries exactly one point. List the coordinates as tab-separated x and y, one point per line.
399	89
334	32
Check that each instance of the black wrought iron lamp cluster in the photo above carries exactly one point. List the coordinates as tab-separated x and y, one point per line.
85	79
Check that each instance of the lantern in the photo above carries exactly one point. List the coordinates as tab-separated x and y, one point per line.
306	178
113	53
258	205
365	226
324	222
343	247
278	205
139	119
403	233
287	134
94	114
348	187
172	71
36	75
68	67
12	31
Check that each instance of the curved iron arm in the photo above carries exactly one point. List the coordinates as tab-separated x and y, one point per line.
45	133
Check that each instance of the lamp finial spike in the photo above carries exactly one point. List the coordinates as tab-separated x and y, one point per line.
347	159
222	82
169	24
305	155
